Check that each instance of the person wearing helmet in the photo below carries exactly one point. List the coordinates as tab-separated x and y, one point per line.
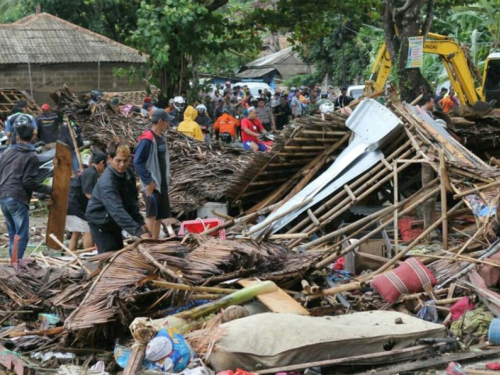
225	128
189	127
251	128
283	113
49	124
19	117
179	106
204	120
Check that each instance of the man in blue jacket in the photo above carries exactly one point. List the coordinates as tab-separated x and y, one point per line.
114	204
152	163
18	171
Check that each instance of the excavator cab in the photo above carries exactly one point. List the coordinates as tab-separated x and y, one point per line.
491	79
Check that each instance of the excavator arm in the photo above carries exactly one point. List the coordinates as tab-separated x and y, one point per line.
454	61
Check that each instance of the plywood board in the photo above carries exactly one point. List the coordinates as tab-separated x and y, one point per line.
279	301
60	186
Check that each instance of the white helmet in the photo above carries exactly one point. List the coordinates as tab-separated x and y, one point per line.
327	107
201	108
179	103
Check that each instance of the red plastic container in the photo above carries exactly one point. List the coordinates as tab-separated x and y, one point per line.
200	225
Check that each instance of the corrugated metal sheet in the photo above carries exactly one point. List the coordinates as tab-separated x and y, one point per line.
46	39
254	73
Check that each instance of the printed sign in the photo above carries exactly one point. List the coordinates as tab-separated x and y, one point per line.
415	52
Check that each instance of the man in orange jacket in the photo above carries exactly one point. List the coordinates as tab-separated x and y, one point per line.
225	127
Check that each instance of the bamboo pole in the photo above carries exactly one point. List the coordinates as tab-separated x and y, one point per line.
189	288
444	202
360	184
335	256
269	222
348	228
56	240
396	202
347	203
75	145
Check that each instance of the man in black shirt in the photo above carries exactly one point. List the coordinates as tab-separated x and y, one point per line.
114	205
343	100
49	124
79	194
18	179
283	113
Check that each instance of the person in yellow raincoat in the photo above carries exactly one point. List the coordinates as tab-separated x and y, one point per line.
189	127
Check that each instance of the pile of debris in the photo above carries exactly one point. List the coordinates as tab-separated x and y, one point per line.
366	242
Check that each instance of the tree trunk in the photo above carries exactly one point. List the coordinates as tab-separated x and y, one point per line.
404	19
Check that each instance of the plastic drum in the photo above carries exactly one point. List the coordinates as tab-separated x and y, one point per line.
494	332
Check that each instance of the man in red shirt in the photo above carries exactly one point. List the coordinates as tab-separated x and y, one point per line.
251	128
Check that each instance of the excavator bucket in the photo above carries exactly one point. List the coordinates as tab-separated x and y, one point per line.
479	109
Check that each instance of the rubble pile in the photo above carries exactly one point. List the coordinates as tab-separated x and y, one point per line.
359	244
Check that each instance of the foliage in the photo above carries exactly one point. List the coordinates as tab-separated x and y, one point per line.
10	11
181	35
302	80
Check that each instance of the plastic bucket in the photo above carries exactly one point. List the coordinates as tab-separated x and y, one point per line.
494	332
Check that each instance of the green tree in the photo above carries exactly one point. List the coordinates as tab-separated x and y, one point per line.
182	35
10	11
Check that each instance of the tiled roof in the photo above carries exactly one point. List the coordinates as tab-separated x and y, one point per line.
46	39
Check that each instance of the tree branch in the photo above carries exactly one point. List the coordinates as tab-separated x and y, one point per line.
212	6
431	6
404	8
389	30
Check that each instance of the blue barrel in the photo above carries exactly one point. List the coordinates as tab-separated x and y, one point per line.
494	332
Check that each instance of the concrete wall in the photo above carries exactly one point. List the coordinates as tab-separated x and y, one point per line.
80	78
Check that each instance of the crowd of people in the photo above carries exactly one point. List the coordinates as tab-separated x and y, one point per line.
232	114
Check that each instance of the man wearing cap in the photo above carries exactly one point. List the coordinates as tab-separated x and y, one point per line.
49	124
19	117
251	128
114	204
152	164
80	192
265	115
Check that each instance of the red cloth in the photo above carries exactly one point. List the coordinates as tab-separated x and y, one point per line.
254	125
459	308
409	277
495	366
339	264
405	228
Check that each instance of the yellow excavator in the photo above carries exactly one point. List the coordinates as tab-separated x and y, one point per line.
480	101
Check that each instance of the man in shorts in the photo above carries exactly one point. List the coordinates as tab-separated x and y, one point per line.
80	192
152	164
251	128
